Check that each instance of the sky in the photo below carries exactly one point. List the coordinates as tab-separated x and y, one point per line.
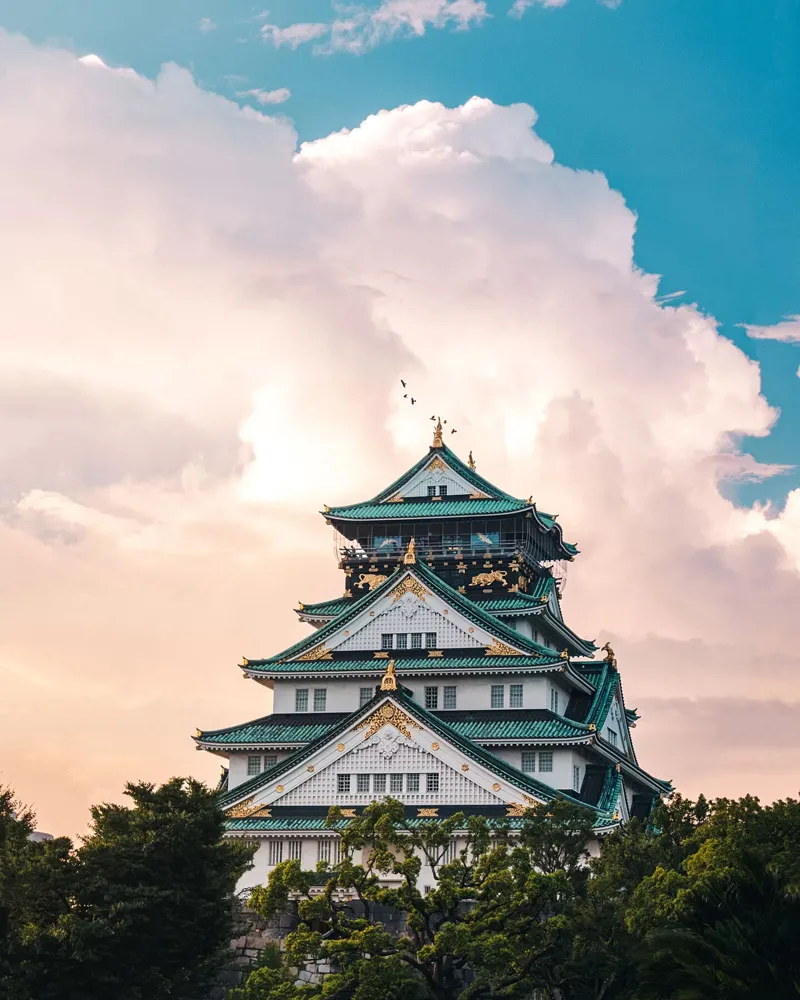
226	233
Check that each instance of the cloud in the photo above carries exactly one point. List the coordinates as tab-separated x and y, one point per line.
205	25
519	7
267	96
204	328
358	28
787	331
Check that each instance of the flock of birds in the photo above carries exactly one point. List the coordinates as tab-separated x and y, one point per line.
413	401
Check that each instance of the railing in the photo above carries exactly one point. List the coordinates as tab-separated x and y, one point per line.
358	552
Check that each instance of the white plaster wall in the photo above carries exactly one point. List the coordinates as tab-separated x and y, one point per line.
452	632
237	765
564	758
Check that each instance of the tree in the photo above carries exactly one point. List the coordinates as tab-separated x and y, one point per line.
139	911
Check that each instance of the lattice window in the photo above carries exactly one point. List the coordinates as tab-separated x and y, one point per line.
387	640
343	784
328	851
528	761
362	782
431	697
430	640
416	640
275	852
301	700
576	777
431	782
320	699
431	491
253	765
395	782
364	695
295	850
546	760
498	695
612	737
554	700
412	782
449	696
379	784
402	640
515	696
270	760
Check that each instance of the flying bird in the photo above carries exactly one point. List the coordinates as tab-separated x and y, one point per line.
402	383
413	400
453	431
433	418
405	395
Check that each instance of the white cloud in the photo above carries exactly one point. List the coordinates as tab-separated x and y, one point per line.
519	7
203	334
205	25
788	331
358	28
267	96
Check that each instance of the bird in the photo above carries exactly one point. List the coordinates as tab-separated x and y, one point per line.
405	395
433	418
453	430
402	383
413	400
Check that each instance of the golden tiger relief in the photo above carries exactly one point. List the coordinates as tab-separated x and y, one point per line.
371	580
487	579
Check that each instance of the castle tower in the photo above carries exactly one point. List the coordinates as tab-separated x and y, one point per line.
445	677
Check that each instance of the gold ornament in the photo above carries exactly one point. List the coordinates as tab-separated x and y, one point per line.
320	652
387	715
340	747
487	579
389	680
427	813
411	553
437	434
371	580
409	585
471	461
498	648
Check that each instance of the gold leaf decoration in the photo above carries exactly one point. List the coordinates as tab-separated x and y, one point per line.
409	585
387	715
349	813
434	746
279	788
515	809
498	648
380	656
263	811
465	767
310	767
435	652
395	499
242	809
477	495
427	813
340	747
437	463
530	801
496	787
487	579
371	580
320	652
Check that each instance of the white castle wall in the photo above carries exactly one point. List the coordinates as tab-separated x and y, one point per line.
410	617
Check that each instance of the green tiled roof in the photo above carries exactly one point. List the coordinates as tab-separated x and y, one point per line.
327	609
409	664
436	508
468	608
488	724
258	824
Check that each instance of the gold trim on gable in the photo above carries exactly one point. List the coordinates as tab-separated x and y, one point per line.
498	648
409	585
428	813
437	463
320	652
387	715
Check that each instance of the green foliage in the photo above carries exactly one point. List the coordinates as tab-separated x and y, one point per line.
139	911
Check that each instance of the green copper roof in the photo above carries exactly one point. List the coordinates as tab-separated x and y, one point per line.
472	611
488	724
408	664
455	463
434	508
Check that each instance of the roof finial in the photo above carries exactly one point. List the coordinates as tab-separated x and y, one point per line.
410	558
437	434
610	655
389	680
471	461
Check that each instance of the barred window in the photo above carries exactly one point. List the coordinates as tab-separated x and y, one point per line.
320	699
546	760
498	696
324	849
412	782
449	696
295	851
270	760
416	640
364	695
612	737
431	782
275	852
362	782
387	640
301	700
395	782
442	491
554	700
402	640
576	777
431	697
379	784
253	765
431	491
528	761
515	696
430	640
343	783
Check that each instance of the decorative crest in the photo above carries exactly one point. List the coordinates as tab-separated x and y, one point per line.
410	558
387	715
471	461
389	681
610	655
498	648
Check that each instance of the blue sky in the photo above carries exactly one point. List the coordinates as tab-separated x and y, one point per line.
689	107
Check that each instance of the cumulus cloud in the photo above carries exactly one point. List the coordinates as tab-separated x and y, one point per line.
356	28
788	330
267	96
519	7
203	333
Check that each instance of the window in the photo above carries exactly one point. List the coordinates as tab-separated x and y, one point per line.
362	782
364	695
430	640
554	700
416	640
343	783
270	760
431	782
451	851
449	696
431	697
431	491
301	700
324	848
275	852
442	491
498	695
425	890
387	640
395	782
515	696
253	765
320	699
612	737
576	777
412	782
528	761
295	850
379	784
546	760
402	640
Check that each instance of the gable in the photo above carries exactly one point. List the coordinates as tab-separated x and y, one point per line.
436	474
